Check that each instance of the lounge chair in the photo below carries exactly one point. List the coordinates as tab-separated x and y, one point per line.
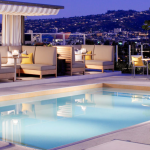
7	72
137	61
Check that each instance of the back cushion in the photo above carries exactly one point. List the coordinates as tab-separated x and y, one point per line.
29	49
3	52
45	55
15	48
103	52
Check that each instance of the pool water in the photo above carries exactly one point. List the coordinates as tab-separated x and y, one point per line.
54	122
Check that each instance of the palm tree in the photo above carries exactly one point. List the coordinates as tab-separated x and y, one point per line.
146	26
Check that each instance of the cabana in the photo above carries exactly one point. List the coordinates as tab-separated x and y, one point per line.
13	14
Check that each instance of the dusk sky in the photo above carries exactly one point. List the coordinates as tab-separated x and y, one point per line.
88	7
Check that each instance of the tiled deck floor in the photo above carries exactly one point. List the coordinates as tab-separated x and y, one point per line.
120	145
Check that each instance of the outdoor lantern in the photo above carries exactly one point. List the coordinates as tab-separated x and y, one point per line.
15	52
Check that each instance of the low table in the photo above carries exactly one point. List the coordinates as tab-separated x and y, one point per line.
15	63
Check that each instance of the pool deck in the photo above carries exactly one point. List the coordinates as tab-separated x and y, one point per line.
138	134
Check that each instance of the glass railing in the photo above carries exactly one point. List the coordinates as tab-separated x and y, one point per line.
122	53
55	38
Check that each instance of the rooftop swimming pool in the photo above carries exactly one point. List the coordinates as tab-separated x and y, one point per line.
54	120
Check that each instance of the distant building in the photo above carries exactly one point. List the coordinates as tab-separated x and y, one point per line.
117	30
29	31
99	34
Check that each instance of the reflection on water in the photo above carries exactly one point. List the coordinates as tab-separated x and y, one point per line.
55	122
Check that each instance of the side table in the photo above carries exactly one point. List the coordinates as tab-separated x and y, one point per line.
15	63
61	67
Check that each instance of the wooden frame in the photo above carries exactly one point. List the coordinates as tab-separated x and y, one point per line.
101	67
7	76
67	53
133	64
39	72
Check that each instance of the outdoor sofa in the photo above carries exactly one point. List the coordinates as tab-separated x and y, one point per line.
44	60
102	56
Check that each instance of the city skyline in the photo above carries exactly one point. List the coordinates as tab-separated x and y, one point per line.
88	7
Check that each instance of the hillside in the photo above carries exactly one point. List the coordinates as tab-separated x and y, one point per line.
127	20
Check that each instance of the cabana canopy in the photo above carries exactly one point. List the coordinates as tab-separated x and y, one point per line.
13	18
28	9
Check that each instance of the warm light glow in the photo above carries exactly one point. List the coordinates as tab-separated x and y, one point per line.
83	108
15	121
15	52
83	50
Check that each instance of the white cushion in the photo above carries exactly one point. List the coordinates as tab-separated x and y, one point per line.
11	60
78	57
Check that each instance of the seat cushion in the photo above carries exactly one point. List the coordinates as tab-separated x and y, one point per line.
78	65
40	67
10	65
98	62
7	70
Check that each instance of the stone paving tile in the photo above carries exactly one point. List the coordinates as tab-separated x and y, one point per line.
137	134
10	146
120	145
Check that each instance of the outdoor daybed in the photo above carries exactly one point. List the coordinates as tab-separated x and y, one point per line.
7	72
102	56
44	60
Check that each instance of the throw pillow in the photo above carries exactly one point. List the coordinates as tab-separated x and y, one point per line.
78	57
11	60
88	57
27	107
137	61
27	60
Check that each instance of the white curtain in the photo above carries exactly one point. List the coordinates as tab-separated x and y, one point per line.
11	30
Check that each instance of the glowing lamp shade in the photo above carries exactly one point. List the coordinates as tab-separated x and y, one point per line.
83	50
15	52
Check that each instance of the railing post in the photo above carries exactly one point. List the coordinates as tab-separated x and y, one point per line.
84	39
142	50
129	54
40	38
64	42
116	53
32	37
